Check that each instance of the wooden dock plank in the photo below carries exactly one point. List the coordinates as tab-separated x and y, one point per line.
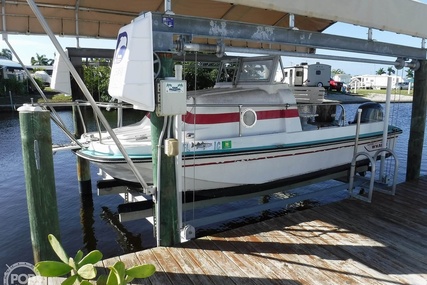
398	236
234	265
324	237
347	242
218	273
293	252
245	254
384	257
160	277
327	262
190	266
277	269
171	267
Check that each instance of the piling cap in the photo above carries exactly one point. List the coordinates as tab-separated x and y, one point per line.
29	108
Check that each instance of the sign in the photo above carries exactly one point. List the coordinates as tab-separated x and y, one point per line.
132	74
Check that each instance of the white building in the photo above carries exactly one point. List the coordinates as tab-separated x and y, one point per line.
374	81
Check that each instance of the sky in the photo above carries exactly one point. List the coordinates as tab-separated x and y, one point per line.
27	46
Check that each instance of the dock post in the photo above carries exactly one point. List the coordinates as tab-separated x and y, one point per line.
83	165
40	180
418	120
167	222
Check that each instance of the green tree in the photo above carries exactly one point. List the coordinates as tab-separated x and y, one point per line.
390	70
13	85
337	71
41	60
205	73
6	53
409	73
97	77
381	71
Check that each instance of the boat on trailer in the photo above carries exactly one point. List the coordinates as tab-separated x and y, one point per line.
249	131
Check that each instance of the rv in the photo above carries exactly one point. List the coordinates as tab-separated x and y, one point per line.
377	81
308	75
345	78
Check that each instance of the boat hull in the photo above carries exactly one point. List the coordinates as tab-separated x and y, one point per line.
252	167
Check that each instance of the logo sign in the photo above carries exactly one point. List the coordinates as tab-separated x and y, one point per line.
121	46
18	273
132	73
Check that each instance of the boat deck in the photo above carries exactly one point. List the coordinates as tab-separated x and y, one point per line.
347	242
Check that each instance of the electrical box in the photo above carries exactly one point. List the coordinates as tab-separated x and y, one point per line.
171	147
172	97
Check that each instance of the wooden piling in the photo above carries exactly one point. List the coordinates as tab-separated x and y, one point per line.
40	180
83	165
418	123
167	222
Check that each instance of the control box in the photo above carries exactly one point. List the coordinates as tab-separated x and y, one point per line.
172	97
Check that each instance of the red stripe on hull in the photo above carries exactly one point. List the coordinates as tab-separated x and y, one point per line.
222	118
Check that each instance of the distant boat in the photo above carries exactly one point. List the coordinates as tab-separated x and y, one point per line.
249	130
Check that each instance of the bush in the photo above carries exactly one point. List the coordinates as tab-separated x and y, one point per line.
12	85
81	269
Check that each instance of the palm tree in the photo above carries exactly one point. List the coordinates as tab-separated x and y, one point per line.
409	73
41	60
390	70
337	71
380	71
6	53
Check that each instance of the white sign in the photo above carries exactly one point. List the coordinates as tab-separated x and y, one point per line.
132	75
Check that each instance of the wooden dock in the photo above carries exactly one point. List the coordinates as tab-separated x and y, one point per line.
347	242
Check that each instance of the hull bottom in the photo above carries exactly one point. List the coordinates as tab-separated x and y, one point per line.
338	172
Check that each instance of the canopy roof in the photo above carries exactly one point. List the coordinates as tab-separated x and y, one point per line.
269	18
103	18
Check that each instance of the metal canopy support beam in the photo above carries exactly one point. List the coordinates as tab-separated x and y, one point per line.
90	53
229	30
378	14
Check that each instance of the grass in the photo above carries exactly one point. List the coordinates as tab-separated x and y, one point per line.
383	91
51	95
57	98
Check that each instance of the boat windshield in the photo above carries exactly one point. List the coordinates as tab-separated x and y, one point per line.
247	70
227	71
256	70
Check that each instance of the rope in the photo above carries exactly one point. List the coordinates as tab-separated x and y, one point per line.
193	110
184	219
194	135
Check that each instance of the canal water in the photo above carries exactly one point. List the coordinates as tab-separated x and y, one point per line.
90	222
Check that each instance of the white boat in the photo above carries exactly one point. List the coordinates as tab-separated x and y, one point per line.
249	130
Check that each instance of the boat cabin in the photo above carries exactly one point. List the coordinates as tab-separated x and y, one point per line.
266	73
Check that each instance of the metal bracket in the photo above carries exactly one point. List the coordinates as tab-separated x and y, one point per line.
150	190
188	233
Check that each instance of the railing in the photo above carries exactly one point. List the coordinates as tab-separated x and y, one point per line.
372	183
78	104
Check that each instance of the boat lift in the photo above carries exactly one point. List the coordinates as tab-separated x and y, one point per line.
381	184
292	34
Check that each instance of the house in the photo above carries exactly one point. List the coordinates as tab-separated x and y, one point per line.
11	69
374	81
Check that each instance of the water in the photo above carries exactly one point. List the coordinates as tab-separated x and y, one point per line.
90	229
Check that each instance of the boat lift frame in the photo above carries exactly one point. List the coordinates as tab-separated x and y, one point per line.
189	27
